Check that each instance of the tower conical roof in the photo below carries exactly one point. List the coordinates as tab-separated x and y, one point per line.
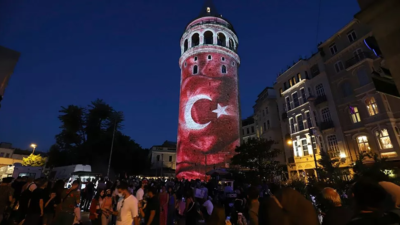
209	9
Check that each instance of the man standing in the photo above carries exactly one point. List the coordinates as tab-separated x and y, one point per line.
152	215
140	192
127	209
6	195
36	203
69	200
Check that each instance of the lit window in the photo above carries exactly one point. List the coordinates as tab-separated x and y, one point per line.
355	115
333	147
333	48
352	36
363	145
223	69
384	139
304	146
372	107
389	155
208	9
195	69
339	66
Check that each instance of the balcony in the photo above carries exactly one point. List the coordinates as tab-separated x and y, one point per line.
284	116
357	59
320	99
326	125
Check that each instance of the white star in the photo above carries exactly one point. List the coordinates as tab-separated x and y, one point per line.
220	110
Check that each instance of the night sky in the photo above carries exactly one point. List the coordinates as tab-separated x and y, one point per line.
126	52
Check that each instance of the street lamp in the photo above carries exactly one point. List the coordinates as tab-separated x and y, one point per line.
34	147
289	142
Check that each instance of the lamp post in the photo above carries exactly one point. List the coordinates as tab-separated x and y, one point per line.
34	147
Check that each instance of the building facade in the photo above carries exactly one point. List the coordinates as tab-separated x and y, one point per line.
366	98
8	60
248	129
209	115
163	156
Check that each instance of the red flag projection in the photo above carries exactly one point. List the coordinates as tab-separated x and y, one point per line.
208	129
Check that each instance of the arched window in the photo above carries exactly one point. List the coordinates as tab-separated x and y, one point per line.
195	69
209	57
195	40
221	39
346	89
363	145
208	38
372	107
230	44
223	69
384	139
186	45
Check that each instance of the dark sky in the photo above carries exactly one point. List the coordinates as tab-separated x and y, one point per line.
126	52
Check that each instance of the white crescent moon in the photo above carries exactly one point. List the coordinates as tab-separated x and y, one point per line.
188	113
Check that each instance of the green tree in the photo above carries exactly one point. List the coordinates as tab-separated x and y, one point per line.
33	160
260	156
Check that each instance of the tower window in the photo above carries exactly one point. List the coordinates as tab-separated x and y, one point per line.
223	58
195	69
186	45
195	40
208	38
230	44
223	69
195	58
233	63
209	57
185	64
208	9
221	39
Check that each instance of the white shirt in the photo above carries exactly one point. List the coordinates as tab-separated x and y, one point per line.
139	194
209	206
128	211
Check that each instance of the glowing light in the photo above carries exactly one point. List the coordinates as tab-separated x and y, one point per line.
33	145
208	9
289	142
342	155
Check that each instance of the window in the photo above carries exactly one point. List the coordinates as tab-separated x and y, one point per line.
290	82
185	64
372	107
309	91
326	115
186	45
362	77
248	130
233	63
299	77
288	103
252	130
303	95
223	69
358	54
221	39
384	139
170	158
195	40
209	57
304	146
268	126
320	90
339	66
333	48
346	89
333	148
208	38
158	158
300	123
363	145
294	80
291	122
295	149
352	36
266	110
195	58
309	124
195	69
295	100
355	115
223	58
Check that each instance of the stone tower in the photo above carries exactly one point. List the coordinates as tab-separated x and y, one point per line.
209	113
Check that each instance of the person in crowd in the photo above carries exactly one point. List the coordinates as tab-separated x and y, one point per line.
106	208
70	198
289	207
95	208
152	212
36	203
77	216
369	198
89	193
26	194
101	184
208	208
171	206
164	199
336	214
254	205
140	191
6	196
127	208
227	188
17	185
191	208
49	207
218	214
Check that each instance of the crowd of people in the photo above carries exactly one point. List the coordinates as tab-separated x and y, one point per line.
24	201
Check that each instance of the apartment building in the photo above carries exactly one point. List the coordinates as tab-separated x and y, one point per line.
310	123
367	101
248	129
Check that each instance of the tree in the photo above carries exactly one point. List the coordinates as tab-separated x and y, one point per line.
33	160
258	155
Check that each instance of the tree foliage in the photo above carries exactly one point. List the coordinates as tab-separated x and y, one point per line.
33	160
258	155
86	136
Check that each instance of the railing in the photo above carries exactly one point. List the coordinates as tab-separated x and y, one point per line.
326	125
358	58
320	99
